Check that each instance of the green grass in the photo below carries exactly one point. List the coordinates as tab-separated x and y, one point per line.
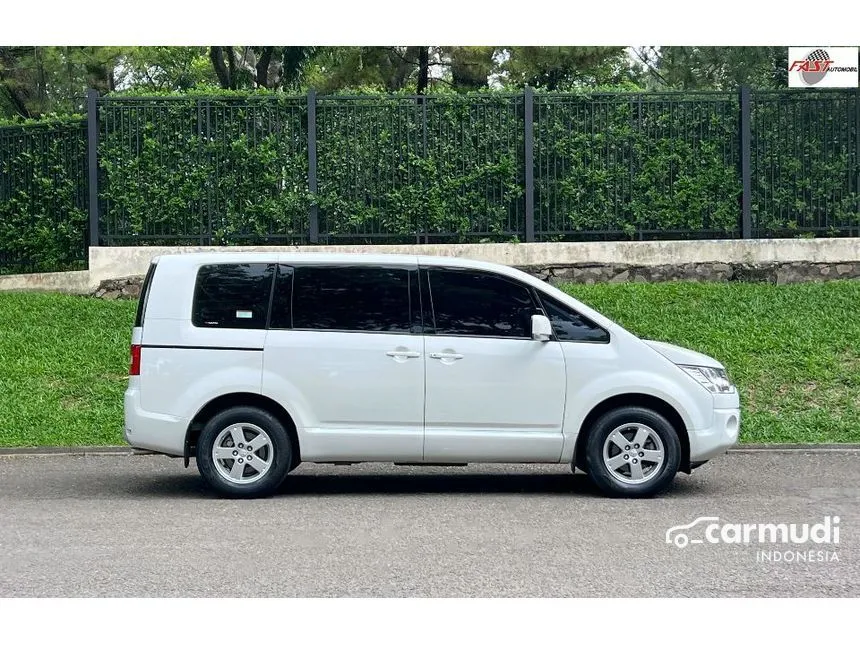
794	351
63	366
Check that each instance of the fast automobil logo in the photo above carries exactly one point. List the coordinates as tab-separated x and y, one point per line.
814	67
822	67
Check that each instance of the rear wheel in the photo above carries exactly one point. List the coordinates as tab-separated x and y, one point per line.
244	452
632	452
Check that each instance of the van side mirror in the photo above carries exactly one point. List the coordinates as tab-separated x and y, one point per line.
541	328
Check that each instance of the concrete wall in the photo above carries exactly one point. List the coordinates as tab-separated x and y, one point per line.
579	261
116	262
66	282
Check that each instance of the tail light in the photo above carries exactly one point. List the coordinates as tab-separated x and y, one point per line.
134	367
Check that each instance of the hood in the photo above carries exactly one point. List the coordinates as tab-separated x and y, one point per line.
681	356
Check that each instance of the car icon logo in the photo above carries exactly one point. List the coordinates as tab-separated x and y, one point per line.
679	535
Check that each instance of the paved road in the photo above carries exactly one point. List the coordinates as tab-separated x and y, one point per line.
144	526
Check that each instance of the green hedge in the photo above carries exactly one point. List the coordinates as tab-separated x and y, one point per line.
43	196
233	169
219	170
448	169
626	166
805	168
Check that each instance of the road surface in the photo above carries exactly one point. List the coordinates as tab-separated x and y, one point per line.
145	526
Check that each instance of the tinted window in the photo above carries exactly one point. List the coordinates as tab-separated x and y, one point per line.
351	298
480	304
569	325
144	295
282	299
232	295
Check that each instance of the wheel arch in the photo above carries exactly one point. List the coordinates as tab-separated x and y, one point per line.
649	401
226	401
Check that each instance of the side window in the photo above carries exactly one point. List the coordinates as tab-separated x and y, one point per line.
351	298
473	303
282	299
570	325
234	296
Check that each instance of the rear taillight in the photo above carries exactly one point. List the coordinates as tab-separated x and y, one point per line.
134	367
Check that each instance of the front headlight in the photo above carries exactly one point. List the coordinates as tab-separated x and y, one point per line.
713	379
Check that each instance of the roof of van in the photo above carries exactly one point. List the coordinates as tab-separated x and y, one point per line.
318	257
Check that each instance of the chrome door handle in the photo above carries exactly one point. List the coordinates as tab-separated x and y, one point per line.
403	354
446	355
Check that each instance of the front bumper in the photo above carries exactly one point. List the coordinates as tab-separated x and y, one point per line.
152	431
707	443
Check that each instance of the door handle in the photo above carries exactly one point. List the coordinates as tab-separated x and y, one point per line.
403	354
446	356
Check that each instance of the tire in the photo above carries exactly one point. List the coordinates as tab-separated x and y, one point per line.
265	452
632	452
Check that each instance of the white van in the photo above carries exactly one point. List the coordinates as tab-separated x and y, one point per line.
256	362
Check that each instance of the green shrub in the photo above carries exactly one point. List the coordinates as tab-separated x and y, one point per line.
43	198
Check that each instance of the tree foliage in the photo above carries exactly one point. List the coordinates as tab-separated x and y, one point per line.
714	68
560	68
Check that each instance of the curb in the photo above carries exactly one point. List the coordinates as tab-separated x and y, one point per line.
128	451
73	451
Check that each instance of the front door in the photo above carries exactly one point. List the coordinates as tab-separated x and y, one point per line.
493	393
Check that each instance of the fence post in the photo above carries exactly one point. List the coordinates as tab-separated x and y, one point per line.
93	164
529	164
314	223
746	180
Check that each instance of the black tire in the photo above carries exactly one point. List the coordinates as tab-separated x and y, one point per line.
280	455
663	474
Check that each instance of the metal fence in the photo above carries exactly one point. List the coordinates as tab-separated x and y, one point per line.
442	168
43	197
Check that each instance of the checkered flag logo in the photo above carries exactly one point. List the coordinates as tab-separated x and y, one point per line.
811	78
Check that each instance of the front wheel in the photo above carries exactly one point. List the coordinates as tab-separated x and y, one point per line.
632	452
244	452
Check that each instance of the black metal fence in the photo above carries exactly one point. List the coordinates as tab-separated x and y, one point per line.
43	197
442	168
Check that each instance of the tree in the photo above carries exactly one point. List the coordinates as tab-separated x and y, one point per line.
389	69
165	68
714	68
471	67
558	68
40	80
241	67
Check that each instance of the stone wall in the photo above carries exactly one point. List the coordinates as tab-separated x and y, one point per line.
773	273
120	289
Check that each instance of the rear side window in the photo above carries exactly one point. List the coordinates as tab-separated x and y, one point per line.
570	325
234	296
144	295
351	298
474	303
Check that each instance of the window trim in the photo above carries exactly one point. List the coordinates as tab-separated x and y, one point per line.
535	301
540	295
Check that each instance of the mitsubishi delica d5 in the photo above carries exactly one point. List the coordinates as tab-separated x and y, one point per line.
255	362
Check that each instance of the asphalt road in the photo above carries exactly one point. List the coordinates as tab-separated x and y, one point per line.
144	526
